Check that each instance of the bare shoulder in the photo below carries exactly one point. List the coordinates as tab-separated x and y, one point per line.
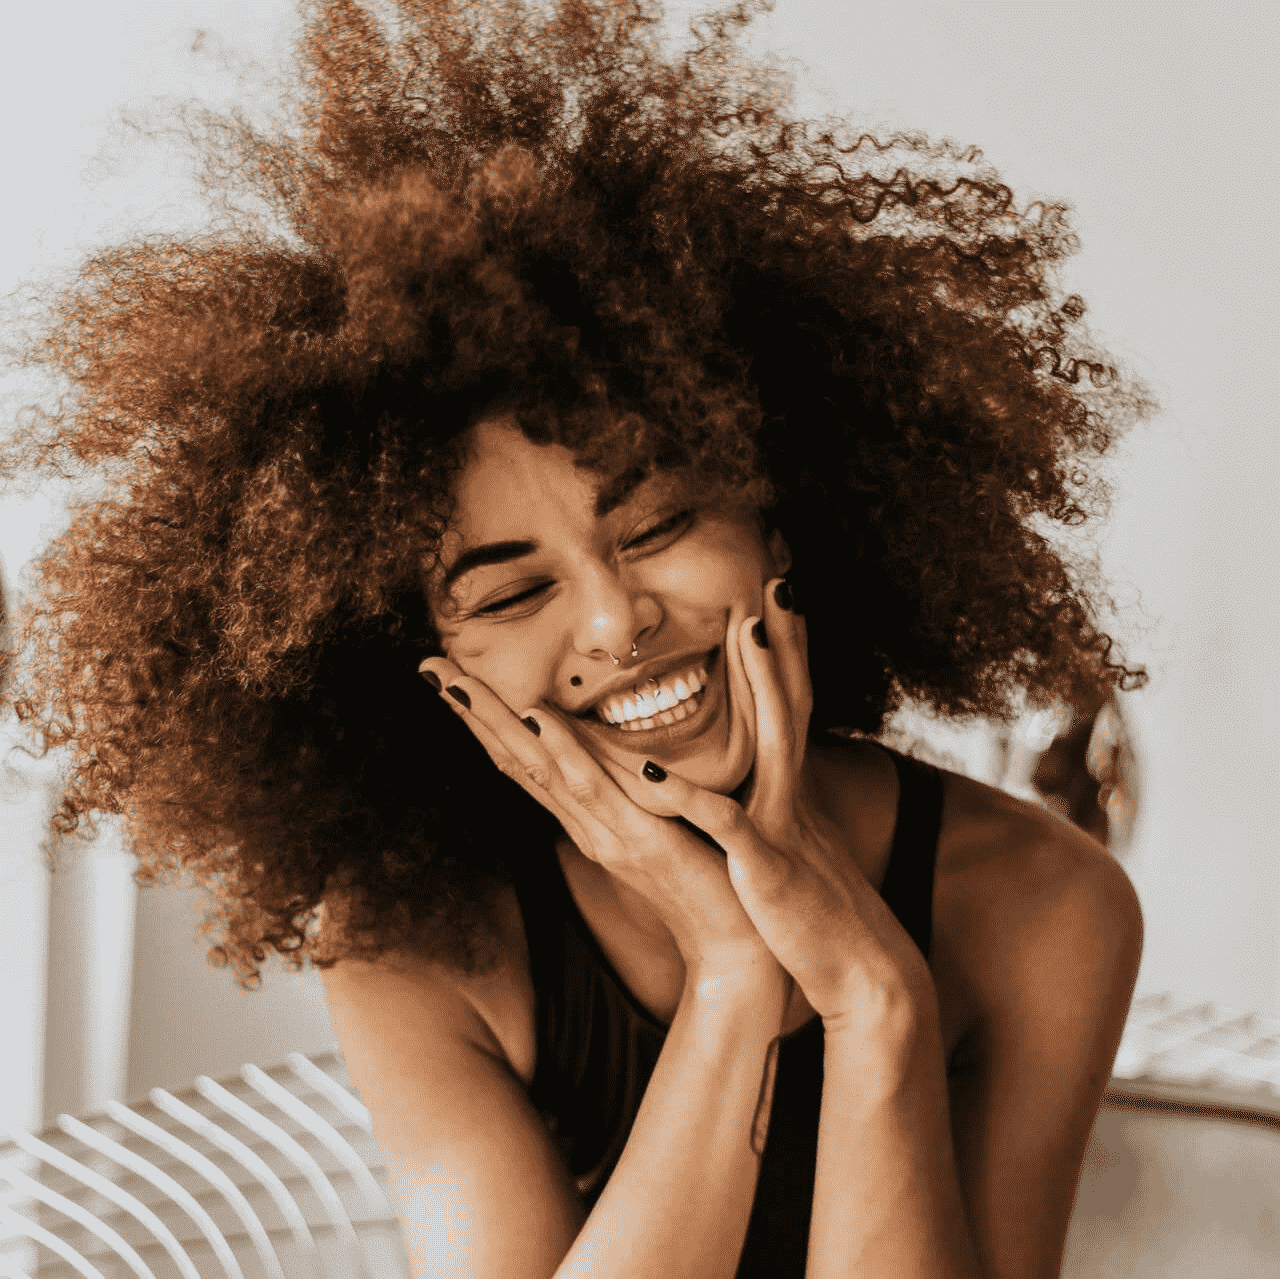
494	1011
1030	913
505	998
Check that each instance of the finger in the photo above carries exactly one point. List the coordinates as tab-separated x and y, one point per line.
549	764
756	867
448	682
774	770
789	643
584	780
509	743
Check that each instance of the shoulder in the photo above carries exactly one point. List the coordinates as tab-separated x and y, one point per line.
493	1011
1041	936
1035	922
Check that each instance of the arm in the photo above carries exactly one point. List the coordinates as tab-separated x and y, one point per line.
480	1190
679	1201
886	1197
981	1183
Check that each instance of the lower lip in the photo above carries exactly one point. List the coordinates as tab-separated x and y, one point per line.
646	739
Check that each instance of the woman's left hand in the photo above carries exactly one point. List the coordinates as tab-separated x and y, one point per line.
789	863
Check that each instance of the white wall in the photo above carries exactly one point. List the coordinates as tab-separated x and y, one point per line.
1156	120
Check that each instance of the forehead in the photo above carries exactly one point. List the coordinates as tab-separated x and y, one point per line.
509	484
505	474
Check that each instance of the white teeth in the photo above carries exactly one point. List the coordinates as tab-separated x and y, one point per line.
673	716
639	709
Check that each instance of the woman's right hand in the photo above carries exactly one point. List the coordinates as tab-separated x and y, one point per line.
684	880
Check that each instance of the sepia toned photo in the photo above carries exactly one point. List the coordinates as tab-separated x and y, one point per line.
637	641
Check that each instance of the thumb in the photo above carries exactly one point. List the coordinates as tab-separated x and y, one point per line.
719	817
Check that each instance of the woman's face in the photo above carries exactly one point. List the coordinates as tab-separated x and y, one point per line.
563	589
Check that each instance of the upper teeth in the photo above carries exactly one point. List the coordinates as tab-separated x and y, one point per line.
646	702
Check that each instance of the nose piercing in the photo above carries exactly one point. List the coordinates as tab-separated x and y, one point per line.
617	661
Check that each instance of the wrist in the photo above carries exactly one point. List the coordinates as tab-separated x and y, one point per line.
884	1017
752	982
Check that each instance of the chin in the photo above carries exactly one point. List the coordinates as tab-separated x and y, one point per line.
718	775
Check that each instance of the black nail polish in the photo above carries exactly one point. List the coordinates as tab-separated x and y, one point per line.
758	634
432	678
782	595
532	725
459	695
653	772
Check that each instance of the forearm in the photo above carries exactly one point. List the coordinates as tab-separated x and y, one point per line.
887	1198
679	1201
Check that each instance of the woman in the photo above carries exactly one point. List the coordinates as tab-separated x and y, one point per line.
578	412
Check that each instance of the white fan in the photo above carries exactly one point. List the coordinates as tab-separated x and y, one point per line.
274	1174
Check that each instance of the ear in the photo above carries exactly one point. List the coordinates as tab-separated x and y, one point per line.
780	552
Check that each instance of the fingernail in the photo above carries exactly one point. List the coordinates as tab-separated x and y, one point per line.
532	725
431	677
459	696
653	772
758	634
782	595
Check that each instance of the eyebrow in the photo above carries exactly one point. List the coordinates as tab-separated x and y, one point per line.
488	553
607	501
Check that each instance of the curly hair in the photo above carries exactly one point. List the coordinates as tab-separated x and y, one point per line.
641	256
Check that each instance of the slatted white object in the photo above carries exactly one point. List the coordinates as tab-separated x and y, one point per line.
275	1174
272	1174
1200	1052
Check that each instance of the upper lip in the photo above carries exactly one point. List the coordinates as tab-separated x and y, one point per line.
658	666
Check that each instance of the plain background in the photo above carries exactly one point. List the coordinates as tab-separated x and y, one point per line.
1156	121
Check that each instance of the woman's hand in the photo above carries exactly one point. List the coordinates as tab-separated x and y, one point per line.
788	863
683	879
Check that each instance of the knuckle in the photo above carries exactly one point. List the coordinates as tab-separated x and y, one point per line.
733	817
539	774
582	790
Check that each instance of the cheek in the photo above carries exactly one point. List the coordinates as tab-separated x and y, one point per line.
712	585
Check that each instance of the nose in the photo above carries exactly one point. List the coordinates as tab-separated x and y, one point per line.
613	613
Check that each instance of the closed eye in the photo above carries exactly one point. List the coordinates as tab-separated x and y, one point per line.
670	524
514	599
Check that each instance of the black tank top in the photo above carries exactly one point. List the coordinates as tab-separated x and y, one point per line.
597	1045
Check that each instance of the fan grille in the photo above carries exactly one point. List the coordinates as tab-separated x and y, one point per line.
271	1174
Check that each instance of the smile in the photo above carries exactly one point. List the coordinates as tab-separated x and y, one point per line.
679	708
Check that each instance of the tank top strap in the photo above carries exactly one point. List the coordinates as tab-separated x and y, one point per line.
908	882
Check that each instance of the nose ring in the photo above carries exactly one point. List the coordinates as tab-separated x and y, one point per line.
617	661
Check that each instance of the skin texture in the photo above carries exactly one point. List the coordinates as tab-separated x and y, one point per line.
930	1066
687	591
684	591
644	257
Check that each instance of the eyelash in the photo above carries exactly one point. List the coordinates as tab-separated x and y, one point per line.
666	526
